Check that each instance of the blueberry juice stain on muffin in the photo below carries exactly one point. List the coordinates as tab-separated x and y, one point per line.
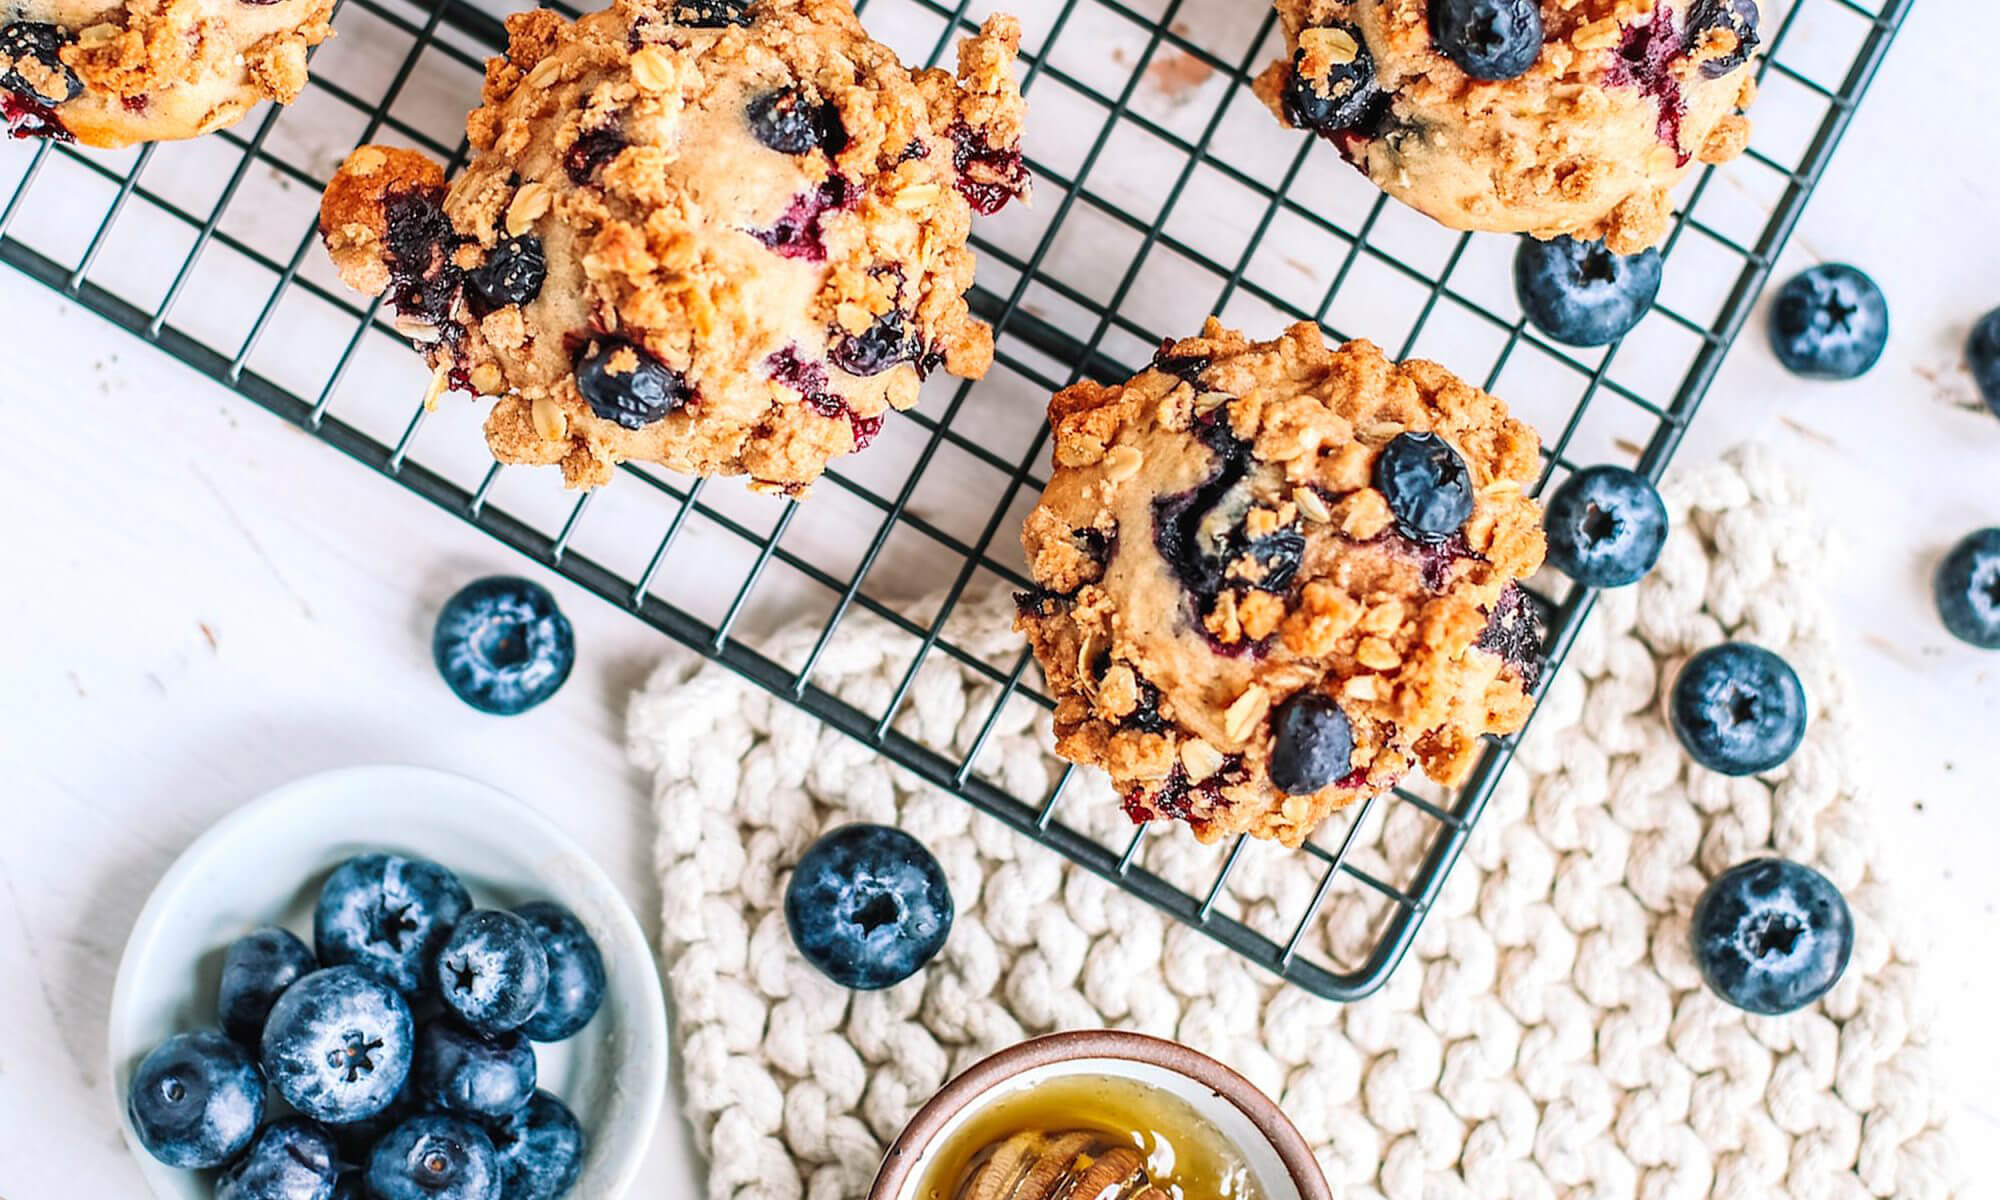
1511	116
1271	578
726	238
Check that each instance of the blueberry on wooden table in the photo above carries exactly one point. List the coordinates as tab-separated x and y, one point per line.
390	915
1488	39
256	970
1606	526
338	1044
1581	294
1967	590
575	986
868	906
1738	709
540	1149
292	1159
435	1157
502	645
459	1071
1830	322
492	972
1982	354
1426	484
196	1100
1771	936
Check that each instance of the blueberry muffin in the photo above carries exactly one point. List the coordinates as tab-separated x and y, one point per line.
1271	577
725	236
1561	117
111	74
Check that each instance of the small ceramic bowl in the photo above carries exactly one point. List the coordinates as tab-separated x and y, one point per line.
264	864
1279	1158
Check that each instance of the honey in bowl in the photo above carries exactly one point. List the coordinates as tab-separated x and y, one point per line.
1088	1137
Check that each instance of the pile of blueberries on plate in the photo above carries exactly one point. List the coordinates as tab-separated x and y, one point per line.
401	1042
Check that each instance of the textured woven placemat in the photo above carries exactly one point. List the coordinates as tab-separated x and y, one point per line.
1547	1036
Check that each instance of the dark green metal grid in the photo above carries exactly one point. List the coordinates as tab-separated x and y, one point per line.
1045	353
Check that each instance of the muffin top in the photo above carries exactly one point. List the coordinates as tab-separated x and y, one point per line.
721	236
1271	577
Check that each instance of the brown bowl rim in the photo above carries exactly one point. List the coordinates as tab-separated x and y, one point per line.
994	1070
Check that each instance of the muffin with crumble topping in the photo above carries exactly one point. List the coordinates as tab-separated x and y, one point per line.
1547	117
1273	577
725	236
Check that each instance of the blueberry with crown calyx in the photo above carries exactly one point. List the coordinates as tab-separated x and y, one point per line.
1606	526
1967	590
868	906
1830	322
1488	39
1426	484
1581	294
1738	709
1771	936
388	915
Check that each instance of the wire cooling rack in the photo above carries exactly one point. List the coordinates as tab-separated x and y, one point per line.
1164	192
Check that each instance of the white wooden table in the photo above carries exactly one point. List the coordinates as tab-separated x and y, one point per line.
203	603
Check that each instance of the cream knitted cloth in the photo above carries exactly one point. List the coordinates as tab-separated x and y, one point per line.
1547	1036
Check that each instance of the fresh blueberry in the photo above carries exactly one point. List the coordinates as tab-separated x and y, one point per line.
877	348
1581	294
513	272
40	43
1739	17
338	1044
576	972
1738	709
256	970
1345	96
502	645
460	1071
868	906
435	1157
1426	484
1312	744
790	122
1771	936
196	1100
709	14
623	383
1982	353
292	1159
1967	589
1606	527
1830	322
493	971
389	915
1488	39
540	1147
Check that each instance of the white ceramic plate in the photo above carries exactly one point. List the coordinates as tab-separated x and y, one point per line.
264	863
